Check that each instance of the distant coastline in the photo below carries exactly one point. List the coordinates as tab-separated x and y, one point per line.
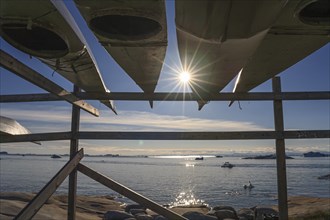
315	154
269	156
242	155
67	155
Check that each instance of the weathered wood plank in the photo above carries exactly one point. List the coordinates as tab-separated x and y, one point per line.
74	143
178	135
257	96
41	97
237	135
25	72
280	153
56	136
123	190
39	200
261	96
304	134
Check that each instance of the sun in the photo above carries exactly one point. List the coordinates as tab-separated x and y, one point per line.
184	77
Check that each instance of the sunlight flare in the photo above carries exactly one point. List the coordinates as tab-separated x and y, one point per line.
184	77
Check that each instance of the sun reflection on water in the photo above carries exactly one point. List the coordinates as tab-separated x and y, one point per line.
190	165
185	199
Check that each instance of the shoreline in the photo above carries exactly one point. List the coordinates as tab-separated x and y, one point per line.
94	207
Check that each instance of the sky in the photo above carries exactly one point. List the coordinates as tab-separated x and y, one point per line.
310	74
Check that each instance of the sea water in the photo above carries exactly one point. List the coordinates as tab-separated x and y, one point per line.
175	180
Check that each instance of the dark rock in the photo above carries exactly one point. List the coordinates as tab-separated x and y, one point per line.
325	177
222	212
199	158
55	156
223	207
225	214
247	214
160	217
137	211
117	215
133	206
198	216
261	213
142	216
270	156
315	154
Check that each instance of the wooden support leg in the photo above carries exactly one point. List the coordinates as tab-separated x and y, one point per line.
280	153
73	149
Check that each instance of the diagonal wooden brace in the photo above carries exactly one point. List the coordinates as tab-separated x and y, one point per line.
25	72
123	190
39	200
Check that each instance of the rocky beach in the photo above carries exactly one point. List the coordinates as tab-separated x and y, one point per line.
106	207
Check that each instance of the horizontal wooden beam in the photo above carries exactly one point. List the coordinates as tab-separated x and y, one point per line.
234	135
41	97
177	135
25	72
256	96
134	196
261	96
39	200
56	136
311	134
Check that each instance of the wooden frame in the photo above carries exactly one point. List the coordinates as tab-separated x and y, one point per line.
58	93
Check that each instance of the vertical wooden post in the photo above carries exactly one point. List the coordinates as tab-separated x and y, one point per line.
74	142
280	153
